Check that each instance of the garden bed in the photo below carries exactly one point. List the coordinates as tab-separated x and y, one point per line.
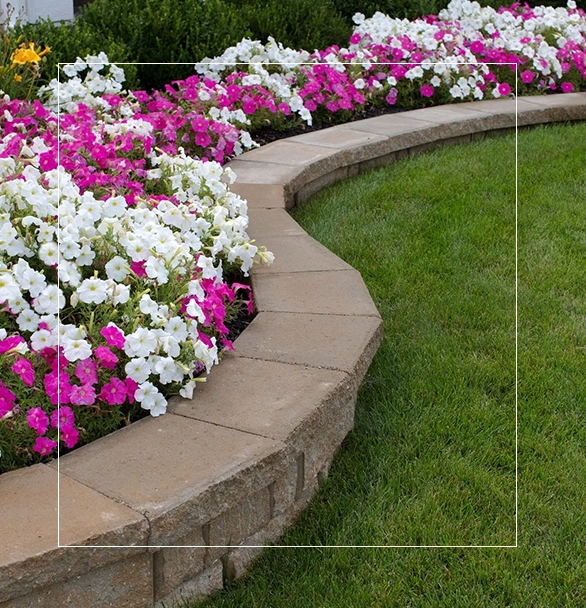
182	503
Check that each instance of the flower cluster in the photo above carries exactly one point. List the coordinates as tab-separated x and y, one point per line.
117	262
464	53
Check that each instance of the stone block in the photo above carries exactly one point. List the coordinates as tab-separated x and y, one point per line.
252	172
203	584
325	341
261	196
340	137
174	566
237	523
277	399
178	472
31	556
272	223
127	583
299	254
311	187
291	151
342	292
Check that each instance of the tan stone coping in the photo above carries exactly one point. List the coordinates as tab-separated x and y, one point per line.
178	504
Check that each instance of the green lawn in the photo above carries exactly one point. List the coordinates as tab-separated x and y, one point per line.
431	460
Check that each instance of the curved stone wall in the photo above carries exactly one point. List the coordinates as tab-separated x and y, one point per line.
177	505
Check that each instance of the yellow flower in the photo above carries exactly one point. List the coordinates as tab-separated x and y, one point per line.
23	55
17	77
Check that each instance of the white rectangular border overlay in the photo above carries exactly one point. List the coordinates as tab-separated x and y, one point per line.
338	546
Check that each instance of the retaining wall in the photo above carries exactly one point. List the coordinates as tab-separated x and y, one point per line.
178	505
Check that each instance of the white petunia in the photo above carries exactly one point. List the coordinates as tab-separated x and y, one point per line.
28	320
117	268
75	350
139	369
92	291
140	343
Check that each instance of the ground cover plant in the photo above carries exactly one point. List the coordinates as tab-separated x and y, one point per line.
432	457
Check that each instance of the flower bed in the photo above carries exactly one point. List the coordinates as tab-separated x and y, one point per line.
118	266
121	238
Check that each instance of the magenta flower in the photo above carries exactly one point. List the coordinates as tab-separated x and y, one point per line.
114	392
86	371
62	416
83	395
131	388
567	87
199	124
24	369
113	335
7	400
10	342
44	446
504	89
391	98
426	90
69	435
355	38
477	47
58	387
138	269
527	76
203	140
106	357
37	420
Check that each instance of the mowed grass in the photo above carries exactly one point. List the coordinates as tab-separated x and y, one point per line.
431	460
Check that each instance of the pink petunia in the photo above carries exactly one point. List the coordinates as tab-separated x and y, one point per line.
106	357
58	387
131	388
114	392
62	416
37	420
504	89
567	87
10	343
113	335
69	435
86	371
44	445
527	76
83	395
24	369
477	47
139	269
427	90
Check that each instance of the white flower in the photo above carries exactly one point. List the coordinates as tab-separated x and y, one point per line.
42	339
117	268
177	328
28	320
49	252
187	390
50	300
149	398
75	350
140	343
9	289
139	369
168	370
92	291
